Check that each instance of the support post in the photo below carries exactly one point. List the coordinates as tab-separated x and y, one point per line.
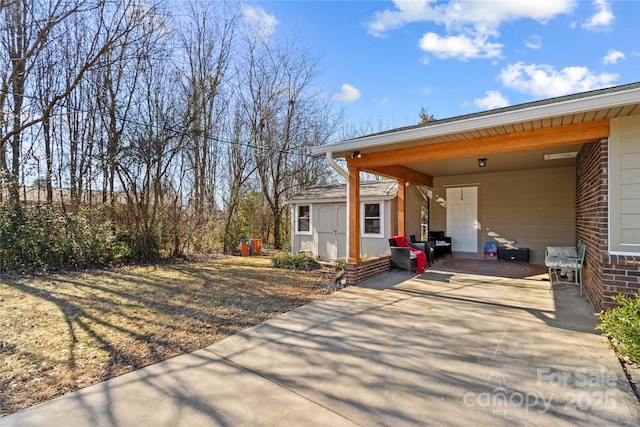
402	207
354	216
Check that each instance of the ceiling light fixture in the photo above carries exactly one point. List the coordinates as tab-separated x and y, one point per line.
482	162
356	154
557	156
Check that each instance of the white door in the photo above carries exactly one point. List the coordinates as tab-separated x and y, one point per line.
332	231
327	245
462	218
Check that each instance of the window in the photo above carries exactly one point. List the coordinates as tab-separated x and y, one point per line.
303	219
372	221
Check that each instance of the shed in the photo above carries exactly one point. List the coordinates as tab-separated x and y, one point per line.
319	218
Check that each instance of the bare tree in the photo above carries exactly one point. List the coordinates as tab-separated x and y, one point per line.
29	27
239	172
207	35
117	77
280	105
144	163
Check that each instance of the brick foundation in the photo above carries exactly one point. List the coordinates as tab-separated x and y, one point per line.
604	275
368	268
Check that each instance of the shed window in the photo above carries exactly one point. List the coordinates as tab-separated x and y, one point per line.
372	219
303	219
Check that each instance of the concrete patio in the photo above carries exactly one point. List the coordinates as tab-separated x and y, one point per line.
441	349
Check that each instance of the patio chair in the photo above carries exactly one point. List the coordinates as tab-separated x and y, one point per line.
410	257
568	261
441	243
428	247
402	257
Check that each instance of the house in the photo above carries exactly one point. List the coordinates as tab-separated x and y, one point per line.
36	195
543	173
319	218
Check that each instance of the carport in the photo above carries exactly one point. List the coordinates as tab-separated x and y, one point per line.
527	176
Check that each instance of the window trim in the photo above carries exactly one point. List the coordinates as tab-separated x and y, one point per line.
297	217
381	203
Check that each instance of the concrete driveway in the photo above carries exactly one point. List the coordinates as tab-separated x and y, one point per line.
444	349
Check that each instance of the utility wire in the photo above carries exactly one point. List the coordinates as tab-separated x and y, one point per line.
247	144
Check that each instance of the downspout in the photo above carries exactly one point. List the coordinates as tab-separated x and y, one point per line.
343	173
337	167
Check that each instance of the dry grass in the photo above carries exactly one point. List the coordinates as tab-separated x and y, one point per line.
59	333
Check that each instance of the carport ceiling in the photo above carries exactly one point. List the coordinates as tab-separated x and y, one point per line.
502	162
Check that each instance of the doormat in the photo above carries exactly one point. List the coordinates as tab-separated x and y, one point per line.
516	270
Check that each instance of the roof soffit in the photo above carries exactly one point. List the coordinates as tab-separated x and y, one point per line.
504	143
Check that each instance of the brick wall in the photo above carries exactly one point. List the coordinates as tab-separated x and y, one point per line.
604	275
368	268
620	275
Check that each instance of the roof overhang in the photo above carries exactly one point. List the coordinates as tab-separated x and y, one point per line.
340	200
370	191
581	108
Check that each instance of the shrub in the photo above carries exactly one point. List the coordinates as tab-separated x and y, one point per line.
622	326
39	238
295	261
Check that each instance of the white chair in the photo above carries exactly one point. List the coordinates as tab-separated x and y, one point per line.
566	260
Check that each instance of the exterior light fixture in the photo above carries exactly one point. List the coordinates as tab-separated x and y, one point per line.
482	162
557	156
356	155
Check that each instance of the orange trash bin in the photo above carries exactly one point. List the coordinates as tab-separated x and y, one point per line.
244	248
256	245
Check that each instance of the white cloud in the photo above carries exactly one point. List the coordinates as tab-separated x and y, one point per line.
263	23
602	19
613	56
462	47
405	12
544	81
487	15
534	42
493	99
348	94
468	24
494	13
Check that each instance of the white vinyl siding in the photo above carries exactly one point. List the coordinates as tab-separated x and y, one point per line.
624	186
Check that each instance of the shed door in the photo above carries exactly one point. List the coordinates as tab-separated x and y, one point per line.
342	231
462	218
332	231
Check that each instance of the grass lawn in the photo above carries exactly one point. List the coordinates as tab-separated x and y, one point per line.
62	332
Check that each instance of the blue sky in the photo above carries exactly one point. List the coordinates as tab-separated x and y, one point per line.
384	60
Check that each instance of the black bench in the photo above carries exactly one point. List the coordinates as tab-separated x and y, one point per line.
513	254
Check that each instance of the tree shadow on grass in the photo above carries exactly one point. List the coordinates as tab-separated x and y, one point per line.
129	319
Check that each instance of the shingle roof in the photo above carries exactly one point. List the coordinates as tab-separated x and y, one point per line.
383	189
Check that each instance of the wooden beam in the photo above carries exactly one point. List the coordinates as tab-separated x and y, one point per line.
404	173
402	207
353	256
517	141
